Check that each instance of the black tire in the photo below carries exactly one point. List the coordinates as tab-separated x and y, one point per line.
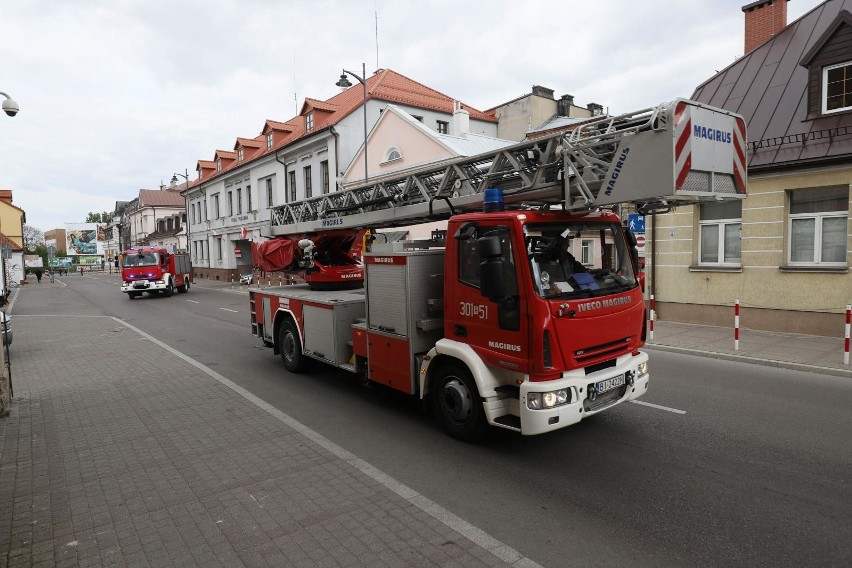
170	289
186	284
290	348
456	403
133	295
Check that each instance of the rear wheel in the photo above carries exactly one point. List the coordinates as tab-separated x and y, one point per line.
290	348
456	404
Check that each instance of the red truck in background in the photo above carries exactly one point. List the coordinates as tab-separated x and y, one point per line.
156	270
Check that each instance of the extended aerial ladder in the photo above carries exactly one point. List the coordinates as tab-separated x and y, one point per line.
677	153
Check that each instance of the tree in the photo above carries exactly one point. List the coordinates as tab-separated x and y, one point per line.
32	237
98	217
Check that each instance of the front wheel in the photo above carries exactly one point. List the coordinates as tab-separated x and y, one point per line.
170	289
290	348
456	404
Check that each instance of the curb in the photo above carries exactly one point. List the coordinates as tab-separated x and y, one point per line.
753	360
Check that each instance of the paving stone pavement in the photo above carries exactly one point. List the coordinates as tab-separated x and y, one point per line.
141	457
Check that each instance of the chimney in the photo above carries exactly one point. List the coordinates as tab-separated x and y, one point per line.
596	109
564	104
542	92
461	120
763	19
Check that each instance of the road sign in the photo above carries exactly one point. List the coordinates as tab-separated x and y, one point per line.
237	252
636	222
640	243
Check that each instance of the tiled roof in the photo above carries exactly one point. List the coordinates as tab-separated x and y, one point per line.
384	84
4	240
158	198
249	142
769	87
225	155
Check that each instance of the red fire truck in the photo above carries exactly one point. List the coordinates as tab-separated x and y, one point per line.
156	270
529	313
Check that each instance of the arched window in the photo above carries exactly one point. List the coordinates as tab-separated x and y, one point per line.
393	154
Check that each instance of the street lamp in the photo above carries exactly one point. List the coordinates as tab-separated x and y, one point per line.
10	107
185	176
344	83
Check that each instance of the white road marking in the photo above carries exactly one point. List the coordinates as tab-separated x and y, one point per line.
227	310
657	406
194	301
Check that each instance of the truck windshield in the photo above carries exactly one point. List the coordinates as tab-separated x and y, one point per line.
579	259
141	259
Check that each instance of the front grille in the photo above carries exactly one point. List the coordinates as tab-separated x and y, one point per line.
613	348
604	400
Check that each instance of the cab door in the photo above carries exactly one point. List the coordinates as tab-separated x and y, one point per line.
496	329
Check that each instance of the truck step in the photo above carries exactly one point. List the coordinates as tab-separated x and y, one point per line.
509	421
347	367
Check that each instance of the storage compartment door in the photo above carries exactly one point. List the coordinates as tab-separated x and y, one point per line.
390	362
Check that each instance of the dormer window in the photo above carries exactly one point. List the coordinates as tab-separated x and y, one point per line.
837	87
309	121
240	154
269	140
218	165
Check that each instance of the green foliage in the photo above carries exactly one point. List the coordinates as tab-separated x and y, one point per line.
98	217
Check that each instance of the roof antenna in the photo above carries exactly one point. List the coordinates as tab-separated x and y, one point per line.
376	13
295	100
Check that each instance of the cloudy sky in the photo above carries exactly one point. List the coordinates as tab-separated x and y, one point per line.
117	95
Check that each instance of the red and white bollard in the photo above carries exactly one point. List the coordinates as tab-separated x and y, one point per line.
232	282
846	340
651	317
280	280
737	325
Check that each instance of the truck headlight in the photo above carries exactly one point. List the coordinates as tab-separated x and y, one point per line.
549	399
642	368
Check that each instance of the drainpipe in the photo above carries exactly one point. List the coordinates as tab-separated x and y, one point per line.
336	147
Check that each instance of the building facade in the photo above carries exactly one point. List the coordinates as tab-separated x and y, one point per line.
784	251
229	205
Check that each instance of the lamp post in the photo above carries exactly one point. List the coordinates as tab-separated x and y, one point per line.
344	83
10	107
185	176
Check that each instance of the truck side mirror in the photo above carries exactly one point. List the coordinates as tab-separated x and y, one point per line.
491	267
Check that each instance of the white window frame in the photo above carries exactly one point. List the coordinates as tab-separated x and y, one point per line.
393	154
721	224
269	140
824	101
817	253
218	248
240	154
269	196
309	122
587	252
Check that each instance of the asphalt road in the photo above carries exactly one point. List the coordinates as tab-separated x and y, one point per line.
738	465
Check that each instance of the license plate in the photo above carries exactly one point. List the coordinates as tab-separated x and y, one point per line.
140	284
609	384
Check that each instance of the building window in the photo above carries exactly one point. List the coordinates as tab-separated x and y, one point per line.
269	192
417	118
818	226
393	154
248	199
269	140
216	206
720	226
218	165
292	188
239	200
324	175
443	127
587	251
205	210
240	154
309	122
230	203
218	248
308	185
837	88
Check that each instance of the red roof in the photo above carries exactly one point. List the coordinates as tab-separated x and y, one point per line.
4	240
384	85
249	142
161	198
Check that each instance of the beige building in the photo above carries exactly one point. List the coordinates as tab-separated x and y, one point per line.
539	112
783	252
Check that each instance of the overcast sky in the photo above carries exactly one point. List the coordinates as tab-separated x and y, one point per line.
117	95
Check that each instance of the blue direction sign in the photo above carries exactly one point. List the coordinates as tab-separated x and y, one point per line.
636	222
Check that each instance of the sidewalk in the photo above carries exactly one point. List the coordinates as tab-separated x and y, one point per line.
140	456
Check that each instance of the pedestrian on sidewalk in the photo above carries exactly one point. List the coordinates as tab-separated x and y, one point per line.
50	273
38	275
